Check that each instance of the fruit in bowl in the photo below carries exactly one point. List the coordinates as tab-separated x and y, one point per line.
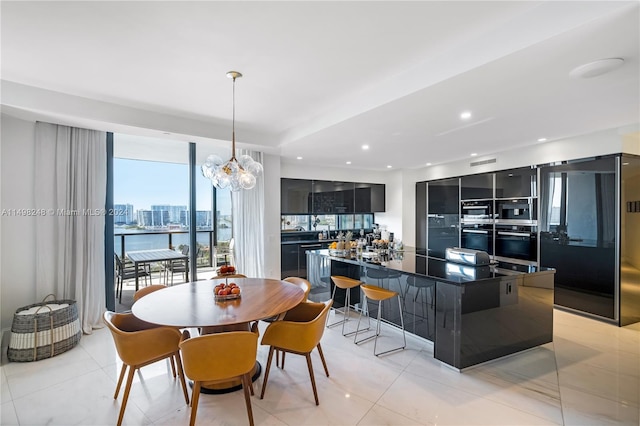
227	269
227	290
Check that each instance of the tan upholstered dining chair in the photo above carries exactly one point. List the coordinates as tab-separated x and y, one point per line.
206	359
138	344
299	333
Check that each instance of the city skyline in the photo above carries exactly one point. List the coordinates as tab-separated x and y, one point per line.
159	215
144	184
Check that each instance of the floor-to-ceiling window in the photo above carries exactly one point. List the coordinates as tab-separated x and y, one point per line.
151	204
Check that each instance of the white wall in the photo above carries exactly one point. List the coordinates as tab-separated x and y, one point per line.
17	255
271	164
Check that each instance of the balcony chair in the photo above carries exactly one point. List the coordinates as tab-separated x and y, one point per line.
177	266
224	254
138	344
299	333
126	271
205	361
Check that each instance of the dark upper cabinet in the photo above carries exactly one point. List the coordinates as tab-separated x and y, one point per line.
378	197
444	196
295	196
516	183
323	197
343	198
476	187
302	196
369	198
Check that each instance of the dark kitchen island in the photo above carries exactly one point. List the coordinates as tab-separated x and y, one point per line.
471	314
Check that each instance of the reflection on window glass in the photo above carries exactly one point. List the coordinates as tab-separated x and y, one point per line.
556	198
223	215
326	222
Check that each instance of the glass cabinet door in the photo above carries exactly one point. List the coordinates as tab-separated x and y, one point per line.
578	233
517	183
476	187
443	216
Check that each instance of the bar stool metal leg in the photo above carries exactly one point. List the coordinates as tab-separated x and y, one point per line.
375	336
347	303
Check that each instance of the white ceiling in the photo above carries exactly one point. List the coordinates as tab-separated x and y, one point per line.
323	78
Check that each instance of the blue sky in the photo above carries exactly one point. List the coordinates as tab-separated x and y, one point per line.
146	183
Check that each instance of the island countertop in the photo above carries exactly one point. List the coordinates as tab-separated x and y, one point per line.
409	261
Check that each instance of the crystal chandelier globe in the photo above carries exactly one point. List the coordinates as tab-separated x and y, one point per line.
236	173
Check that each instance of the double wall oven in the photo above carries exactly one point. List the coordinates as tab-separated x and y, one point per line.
516	230
507	229
477	225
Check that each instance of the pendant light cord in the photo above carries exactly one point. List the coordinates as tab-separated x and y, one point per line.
233	125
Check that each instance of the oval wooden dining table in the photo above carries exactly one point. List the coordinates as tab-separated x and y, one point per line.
194	305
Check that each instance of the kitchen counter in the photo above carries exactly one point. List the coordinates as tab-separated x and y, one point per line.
316	241
471	314
409	261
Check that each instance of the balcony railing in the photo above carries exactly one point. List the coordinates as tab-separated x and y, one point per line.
150	240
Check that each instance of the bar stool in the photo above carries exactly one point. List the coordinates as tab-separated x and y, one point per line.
424	288
346	284
378	274
380	294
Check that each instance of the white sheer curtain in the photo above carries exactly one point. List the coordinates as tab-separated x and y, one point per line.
71	178
248	225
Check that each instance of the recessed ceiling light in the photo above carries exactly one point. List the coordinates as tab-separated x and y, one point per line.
365	147
428	164
474	154
298	158
348	162
596	68
465	115
542	140
388	167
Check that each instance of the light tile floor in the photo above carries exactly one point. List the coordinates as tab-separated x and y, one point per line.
589	375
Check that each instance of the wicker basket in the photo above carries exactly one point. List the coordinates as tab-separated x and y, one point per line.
44	330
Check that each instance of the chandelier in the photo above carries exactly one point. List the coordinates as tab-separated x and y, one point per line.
236	174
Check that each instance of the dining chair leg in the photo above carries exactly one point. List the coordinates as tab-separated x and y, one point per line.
250	383
283	354
266	373
324	363
173	366
311	375
194	403
183	383
247	398
125	397
122	373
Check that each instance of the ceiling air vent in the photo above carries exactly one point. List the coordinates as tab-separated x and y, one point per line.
481	162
